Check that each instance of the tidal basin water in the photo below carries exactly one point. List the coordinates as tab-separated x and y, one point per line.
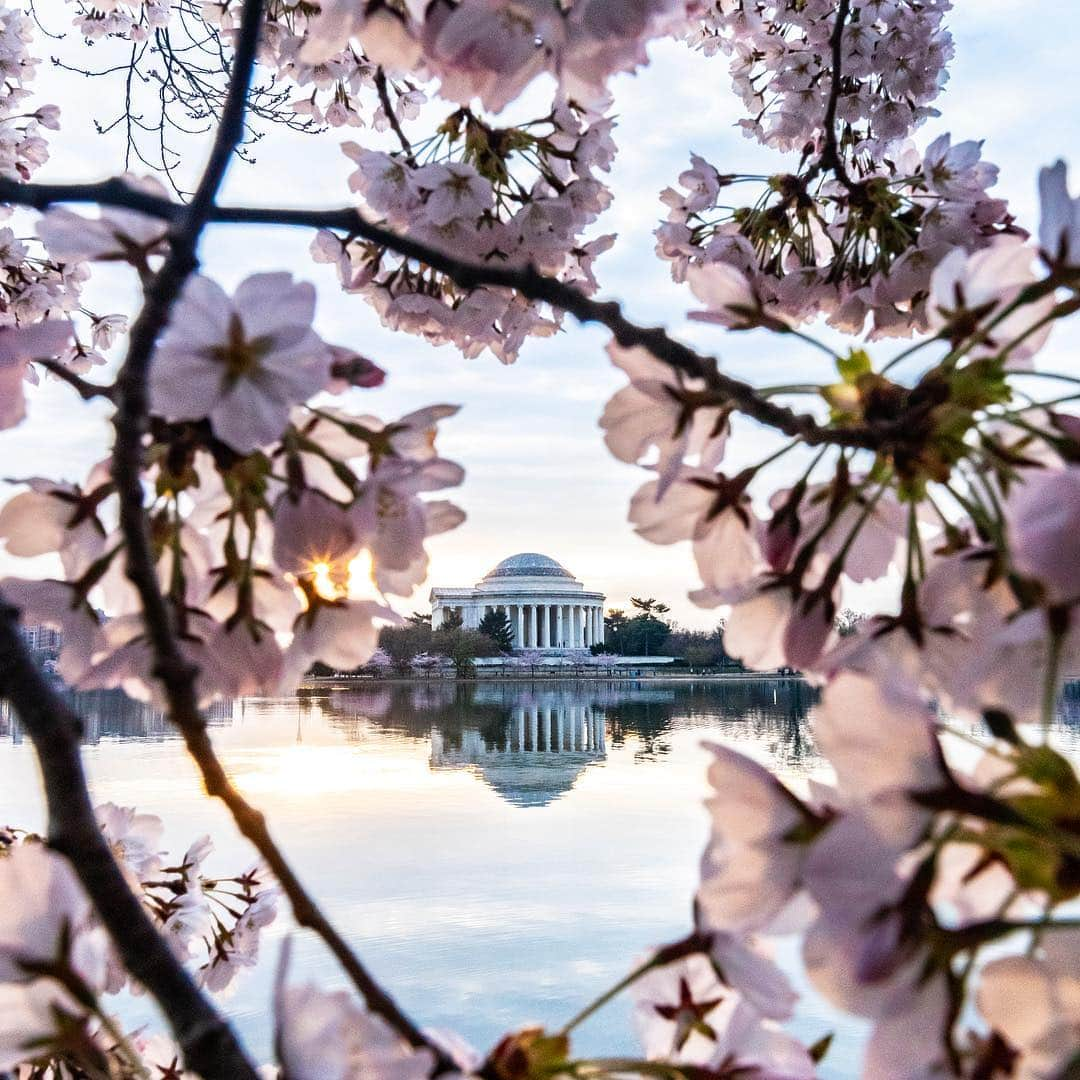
498	853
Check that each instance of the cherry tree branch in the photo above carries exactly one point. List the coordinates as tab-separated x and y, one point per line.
830	156
86	390
527	280
175	673
209	1046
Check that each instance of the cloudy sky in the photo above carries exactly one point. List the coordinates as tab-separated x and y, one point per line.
539	477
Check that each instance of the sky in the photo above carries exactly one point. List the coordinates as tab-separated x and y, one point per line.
538	475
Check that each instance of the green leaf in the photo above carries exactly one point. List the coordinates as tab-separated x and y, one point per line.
856	363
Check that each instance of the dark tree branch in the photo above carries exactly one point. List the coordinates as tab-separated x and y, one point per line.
526	280
175	673
210	1049
86	390
830	156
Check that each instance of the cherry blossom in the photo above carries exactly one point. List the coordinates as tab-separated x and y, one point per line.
653	412
892	53
17	347
752	867
342	634
324	1035
135	839
115	235
43	904
683	1013
1044	1032
991	281
52	517
1059	223
711	510
243	362
1043	522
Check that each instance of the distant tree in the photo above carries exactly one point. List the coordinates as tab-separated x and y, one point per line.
462	648
496	626
847	622
645	635
452	620
700	648
649	606
615	630
418	618
403	643
646	632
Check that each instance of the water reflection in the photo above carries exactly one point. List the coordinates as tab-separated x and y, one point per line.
530	759
497	851
111	714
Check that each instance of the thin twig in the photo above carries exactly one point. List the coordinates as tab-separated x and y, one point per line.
86	390
391	116
209	1046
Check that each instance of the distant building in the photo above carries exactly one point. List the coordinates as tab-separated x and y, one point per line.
42	638
547	606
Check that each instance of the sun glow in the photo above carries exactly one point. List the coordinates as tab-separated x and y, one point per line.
361	578
332	581
322	577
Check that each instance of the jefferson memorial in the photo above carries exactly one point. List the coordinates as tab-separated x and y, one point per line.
547	606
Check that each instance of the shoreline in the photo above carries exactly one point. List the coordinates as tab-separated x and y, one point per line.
348	682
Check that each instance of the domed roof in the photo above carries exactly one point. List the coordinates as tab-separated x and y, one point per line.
529	564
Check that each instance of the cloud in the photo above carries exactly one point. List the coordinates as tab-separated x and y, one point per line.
539	476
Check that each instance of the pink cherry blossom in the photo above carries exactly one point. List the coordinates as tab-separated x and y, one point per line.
1059	223
42	908
649	413
751	870
324	1035
18	345
243	362
1044	530
1043	1028
116	234
992	279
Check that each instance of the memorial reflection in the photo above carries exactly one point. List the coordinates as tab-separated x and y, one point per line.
532	743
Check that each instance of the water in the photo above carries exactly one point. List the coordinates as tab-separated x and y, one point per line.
489	872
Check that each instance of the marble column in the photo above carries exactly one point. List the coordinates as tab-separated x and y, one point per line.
547	731
559	729
533	627
560	640
520	627
588	629
534	726
519	718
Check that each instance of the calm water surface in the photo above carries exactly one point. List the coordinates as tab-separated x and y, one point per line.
498	853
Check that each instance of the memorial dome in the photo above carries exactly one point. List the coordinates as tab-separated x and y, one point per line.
529	564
